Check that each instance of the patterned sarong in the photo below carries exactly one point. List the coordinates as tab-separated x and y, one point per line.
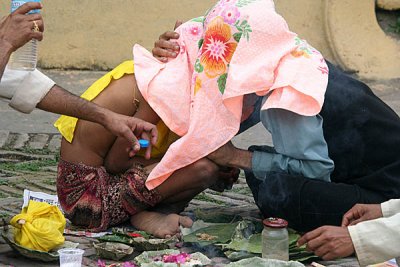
93	198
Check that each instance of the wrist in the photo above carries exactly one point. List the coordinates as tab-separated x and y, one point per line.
241	159
104	117
6	48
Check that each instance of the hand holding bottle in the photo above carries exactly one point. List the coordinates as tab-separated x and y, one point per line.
30	26
16	29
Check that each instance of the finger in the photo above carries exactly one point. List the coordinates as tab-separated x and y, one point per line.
322	251
163	53
169	35
153	133
177	24
328	256
316	244
147	153
168	45
162	59
309	236
354	222
40	25
37	35
33	17
136	145
347	218
36	19
27	7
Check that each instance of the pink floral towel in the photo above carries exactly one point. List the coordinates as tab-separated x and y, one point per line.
240	47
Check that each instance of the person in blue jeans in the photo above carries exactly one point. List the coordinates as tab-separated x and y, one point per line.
319	166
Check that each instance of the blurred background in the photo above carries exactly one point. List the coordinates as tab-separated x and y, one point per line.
362	36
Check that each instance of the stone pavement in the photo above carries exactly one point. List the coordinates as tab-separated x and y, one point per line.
32	142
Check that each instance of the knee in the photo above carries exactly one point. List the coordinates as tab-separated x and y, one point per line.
206	172
274	195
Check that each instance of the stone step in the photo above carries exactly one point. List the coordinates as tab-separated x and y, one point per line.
3	137
55	143
237	196
38	141
11	190
226	200
33	187
21	140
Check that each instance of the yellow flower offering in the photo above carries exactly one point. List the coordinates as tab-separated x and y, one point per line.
39	226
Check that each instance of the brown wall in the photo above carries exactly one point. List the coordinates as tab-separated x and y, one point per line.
99	34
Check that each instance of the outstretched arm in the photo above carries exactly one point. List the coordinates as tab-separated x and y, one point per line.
60	101
16	29
373	241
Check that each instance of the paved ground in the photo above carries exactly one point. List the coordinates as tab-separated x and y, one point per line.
28	138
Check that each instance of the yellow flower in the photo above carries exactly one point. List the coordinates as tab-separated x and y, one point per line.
197	85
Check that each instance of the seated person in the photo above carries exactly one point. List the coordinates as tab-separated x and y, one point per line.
369	230
202	96
356	129
94	194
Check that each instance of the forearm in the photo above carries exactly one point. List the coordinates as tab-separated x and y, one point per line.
241	159
299	145
266	160
5	53
377	240
60	101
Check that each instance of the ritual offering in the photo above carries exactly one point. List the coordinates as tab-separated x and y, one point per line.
171	258
112	251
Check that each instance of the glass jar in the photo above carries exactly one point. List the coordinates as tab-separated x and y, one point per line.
275	239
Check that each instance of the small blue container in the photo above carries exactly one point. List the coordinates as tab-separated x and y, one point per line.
144	143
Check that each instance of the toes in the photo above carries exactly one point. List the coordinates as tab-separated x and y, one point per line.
185	221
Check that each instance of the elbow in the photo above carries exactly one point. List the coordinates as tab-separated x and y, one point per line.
321	170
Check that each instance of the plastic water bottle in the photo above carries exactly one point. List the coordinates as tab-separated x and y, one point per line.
25	58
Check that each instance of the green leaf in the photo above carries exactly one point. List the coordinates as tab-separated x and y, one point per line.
261	262
198	67
222	82
252	245
198	19
200	44
222	232
242	3
243	24
237	36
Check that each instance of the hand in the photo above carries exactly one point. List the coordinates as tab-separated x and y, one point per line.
328	242
130	128
164	48
362	212
223	155
16	29
227	177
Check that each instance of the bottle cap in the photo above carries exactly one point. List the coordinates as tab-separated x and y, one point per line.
275	223
144	143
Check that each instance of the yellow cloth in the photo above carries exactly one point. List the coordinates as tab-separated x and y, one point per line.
43	228
66	124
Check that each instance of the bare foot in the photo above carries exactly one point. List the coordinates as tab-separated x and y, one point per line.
160	225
